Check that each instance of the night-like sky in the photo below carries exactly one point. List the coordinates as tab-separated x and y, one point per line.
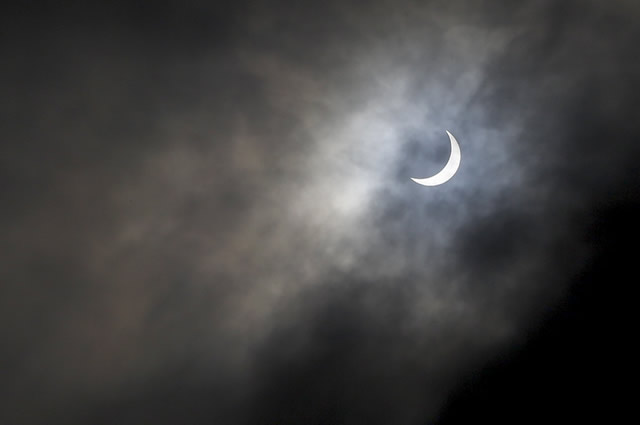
207	217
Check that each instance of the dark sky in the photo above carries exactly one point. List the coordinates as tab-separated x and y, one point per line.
207	217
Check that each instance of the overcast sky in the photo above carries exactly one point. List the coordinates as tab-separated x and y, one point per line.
207	214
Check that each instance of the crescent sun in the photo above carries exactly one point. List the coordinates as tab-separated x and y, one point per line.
449	169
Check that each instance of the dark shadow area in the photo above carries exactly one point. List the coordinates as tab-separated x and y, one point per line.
577	366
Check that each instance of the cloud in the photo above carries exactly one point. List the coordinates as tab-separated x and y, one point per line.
209	212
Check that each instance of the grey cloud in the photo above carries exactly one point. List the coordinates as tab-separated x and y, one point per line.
208	212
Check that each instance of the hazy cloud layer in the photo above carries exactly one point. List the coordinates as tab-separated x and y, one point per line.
207	211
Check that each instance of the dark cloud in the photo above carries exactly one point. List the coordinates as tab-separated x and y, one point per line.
207	214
